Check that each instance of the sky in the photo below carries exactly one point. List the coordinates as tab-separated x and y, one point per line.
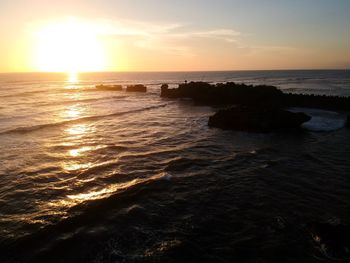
177	35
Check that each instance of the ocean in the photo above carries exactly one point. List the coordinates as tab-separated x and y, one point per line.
115	176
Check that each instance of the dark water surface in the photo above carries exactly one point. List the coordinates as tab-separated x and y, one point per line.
96	176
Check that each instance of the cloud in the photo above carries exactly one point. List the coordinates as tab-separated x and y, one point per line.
174	38
168	38
228	35
274	48
121	28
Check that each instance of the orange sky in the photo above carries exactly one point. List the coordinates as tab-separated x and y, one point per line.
107	35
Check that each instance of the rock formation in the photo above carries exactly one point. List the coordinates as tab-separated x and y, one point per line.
241	94
256	119
257	108
228	93
136	88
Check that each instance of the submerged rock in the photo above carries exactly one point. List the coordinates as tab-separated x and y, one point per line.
136	88
257	119
109	87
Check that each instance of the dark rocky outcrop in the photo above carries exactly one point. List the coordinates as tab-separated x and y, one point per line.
228	93
109	87
257	119
257	108
136	88
163	88
241	94
316	101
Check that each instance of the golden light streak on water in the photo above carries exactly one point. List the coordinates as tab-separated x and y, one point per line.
78	129
74	166
79	151
73	77
73	112
104	192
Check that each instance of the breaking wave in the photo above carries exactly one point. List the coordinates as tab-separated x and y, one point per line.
28	129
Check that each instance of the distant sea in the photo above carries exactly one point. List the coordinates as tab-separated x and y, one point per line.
112	176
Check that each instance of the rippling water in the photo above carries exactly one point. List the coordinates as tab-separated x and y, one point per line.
101	176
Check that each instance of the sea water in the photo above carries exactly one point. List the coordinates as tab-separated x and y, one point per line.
113	176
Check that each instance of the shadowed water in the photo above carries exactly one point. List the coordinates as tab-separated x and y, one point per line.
101	176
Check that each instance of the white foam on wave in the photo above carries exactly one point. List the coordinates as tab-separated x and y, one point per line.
322	120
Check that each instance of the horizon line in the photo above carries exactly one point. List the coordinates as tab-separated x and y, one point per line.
175	71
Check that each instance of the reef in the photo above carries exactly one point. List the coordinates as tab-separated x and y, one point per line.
109	87
136	88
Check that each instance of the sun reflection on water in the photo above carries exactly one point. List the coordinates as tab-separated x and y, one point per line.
75	166
72	81
73	78
79	151
78	134
73	96
98	194
110	189
79	129
76	129
91	195
72	112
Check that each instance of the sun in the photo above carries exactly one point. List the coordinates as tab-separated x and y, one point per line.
69	46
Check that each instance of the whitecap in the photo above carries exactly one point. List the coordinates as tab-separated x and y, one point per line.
322	120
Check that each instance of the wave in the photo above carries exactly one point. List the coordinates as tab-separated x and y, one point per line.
51	89
119	198
82	87
21	93
322	120
324	124
28	129
94	147
65	102
182	163
108	193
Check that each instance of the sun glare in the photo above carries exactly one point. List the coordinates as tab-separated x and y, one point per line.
69	46
72	77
